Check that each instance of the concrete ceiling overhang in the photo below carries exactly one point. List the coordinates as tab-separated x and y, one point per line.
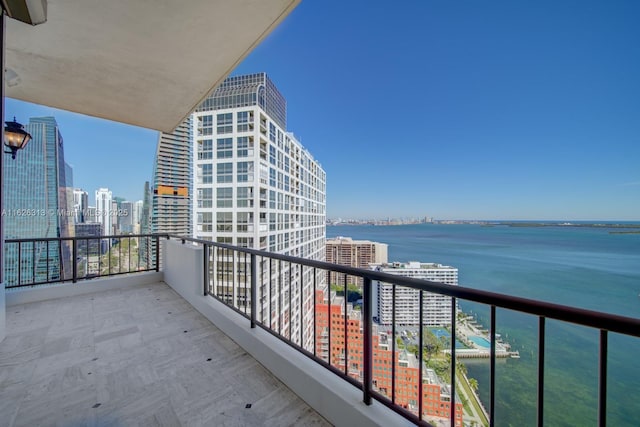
148	63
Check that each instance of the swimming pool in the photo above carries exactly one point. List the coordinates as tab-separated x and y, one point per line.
440	332
480	341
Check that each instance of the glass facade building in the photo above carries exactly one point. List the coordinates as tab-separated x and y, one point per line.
38	204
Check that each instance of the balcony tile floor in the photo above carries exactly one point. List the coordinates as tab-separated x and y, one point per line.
140	356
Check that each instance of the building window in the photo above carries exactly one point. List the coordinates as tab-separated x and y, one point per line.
225	197
272	199
224	148
205	197
205	149
204	174
272	221
245	242
245	171
224	221
272	177
272	155
225	172
205	125
225	123
245	146
245	121
227	240
245	197
272	132
204	222
244	222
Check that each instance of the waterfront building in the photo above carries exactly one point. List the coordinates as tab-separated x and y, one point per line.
172	182
104	208
256	186
436	308
38	184
330	346
80	205
353	253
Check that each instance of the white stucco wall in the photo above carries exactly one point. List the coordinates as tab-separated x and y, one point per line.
335	399
64	290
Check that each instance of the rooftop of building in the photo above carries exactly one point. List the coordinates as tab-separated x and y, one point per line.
349	240
413	265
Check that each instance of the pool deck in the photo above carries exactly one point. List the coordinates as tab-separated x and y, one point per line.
466	331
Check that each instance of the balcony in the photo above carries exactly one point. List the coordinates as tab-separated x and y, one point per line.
133	355
179	346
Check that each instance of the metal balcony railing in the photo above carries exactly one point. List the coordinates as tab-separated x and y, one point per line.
287	294
289	297
32	262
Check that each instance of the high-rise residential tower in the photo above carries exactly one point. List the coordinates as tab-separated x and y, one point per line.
137	214
80	205
125	217
256	186
104	210
436	307
37	186
354	253
173	182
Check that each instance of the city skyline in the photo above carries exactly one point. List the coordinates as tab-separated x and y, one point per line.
495	111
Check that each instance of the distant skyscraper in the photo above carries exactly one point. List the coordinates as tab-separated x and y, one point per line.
173	182
256	186
137	215
125	217
104	209
37	186
436	307
145	245
80	205
353	253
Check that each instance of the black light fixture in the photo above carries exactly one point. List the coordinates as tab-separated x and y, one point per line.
15	137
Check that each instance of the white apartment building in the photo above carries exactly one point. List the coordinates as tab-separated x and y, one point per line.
256	186
436	308
80	205
104	210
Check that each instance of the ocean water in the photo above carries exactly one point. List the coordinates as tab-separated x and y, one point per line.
577	266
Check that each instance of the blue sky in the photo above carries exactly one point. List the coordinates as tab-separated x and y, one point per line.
455	110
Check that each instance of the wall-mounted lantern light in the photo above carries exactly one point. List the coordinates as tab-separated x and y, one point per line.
15	137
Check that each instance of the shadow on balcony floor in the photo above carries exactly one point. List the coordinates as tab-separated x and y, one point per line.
140	356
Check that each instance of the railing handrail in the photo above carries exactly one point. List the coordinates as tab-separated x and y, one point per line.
35	277
53	239
594	319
